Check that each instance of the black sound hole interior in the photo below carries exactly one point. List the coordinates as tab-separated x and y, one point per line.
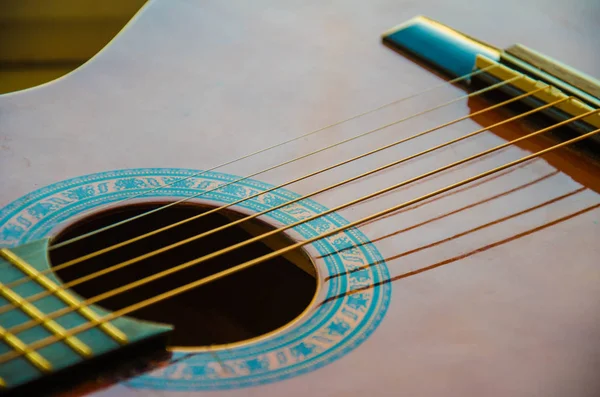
244	305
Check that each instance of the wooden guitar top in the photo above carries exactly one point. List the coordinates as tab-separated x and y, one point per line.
492	290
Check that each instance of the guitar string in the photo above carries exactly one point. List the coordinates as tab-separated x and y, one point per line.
180	267
137	259
165	228
134	239
381	107
123	243
26	325
176	291
78	238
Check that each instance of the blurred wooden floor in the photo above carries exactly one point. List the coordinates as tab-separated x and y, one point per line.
42	40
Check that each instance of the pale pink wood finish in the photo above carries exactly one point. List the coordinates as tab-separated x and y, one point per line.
191	84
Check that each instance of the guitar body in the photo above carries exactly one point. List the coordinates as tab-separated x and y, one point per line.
491	289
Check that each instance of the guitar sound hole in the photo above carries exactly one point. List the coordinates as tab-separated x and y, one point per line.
239	307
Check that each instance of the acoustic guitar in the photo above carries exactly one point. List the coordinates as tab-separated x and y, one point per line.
300	199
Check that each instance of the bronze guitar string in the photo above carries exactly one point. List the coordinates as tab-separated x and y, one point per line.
121	265
147	302
165	228
188	264
121	244
153	253
395	102
59	245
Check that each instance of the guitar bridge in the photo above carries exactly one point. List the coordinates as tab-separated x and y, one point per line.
523	70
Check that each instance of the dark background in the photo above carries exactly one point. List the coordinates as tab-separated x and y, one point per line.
43	40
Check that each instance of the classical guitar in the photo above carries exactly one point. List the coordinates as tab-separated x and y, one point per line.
291	199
